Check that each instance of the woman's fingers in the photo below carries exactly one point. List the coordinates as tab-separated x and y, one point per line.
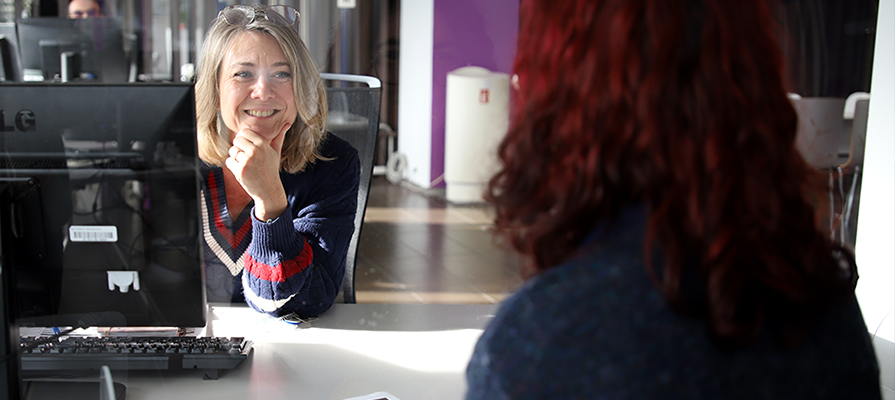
277	142
255	164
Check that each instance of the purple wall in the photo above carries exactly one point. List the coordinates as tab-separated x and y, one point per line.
468	32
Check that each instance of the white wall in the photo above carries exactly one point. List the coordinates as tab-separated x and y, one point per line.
875	247
415	90
876	217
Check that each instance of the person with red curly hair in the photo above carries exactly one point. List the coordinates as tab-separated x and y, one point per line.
670	228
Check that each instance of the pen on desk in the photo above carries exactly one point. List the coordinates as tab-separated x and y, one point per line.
292	319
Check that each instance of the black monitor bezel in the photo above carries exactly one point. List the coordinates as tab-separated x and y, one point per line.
133	161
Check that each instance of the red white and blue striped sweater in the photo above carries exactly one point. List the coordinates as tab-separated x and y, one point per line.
296	262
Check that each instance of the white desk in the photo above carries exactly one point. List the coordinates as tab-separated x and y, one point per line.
412	351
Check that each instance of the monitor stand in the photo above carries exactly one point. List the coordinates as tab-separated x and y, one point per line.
10	383
9	332
50	389
72	390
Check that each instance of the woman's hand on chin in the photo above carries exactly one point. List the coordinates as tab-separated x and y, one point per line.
255	163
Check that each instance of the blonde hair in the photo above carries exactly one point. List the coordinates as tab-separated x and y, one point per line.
302	143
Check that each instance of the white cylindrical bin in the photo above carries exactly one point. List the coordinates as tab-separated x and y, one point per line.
476	119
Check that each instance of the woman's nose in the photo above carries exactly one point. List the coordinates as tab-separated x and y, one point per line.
262	89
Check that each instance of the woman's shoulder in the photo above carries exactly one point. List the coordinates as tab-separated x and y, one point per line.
337	156
602	314
333	146
592	291
606	276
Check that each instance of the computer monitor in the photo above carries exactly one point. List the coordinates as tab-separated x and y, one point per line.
92	49
10	71
100	212
6	69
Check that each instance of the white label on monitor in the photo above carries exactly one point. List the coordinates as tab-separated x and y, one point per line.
93	233
346	3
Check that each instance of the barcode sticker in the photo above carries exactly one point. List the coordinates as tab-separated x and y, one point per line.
93	233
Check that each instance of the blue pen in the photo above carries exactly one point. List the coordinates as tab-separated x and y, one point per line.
292	319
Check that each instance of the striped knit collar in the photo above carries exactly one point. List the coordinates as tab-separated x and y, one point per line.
226	237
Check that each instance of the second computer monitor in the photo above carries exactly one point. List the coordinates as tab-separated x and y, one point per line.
90	49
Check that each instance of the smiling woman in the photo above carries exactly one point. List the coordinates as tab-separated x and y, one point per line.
280	192
257	108
257	81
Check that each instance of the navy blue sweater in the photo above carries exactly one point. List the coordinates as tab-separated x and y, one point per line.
296	262
597	327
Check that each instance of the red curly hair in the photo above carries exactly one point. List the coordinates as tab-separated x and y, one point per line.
681	106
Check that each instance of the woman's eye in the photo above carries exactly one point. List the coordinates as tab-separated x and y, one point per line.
243	74
282	75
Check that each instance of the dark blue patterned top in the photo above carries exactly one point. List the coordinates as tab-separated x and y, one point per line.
296	262
598	328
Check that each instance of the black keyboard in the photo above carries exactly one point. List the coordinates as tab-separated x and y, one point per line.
210	354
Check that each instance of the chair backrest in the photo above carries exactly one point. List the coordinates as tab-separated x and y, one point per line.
354	102
823	135
831	137
857	109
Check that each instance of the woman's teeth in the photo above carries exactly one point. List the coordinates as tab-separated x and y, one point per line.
258	113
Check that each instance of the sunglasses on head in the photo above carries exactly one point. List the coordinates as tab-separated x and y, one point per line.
243	15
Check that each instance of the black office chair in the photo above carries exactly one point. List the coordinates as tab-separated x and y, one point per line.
847	176
354	102
831	138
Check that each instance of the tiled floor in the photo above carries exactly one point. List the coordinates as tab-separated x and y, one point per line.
415	247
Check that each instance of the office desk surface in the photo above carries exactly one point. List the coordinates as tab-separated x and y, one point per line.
411	351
